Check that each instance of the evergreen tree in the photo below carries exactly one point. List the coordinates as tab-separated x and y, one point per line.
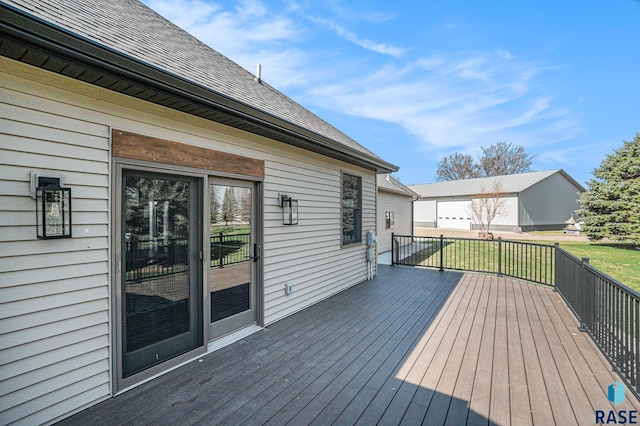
611	206
245	205
229	210
215	203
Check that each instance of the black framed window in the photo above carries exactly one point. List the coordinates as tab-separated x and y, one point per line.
389	220
351	209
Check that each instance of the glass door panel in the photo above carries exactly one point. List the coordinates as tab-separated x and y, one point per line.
233	254
160	303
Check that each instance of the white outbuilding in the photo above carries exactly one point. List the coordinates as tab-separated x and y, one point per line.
394	213
533	201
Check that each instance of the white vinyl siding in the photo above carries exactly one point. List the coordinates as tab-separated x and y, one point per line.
309	255
55	295
401	206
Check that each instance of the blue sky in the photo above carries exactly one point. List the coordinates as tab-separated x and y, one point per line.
415	81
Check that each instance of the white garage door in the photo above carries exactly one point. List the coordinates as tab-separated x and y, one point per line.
454	215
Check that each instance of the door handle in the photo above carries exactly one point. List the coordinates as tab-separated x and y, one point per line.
255	256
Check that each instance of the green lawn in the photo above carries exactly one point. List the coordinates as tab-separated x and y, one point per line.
527	261
619	261
230	229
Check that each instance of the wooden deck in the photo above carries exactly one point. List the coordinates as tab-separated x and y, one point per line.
409	347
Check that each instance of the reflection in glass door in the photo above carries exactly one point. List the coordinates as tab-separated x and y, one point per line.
160	307
233	256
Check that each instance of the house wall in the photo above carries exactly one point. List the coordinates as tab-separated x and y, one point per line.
401	206
425	213
55	296
547	204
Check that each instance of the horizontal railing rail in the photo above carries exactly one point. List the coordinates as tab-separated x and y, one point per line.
228	249
528	261
168	256
156	258
606	309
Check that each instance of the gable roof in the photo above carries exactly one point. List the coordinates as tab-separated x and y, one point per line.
125	46
388	183
511	184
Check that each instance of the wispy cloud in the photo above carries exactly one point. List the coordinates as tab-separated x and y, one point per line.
468	101
383	48
248	33
454	101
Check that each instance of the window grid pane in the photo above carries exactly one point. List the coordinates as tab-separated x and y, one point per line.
351	209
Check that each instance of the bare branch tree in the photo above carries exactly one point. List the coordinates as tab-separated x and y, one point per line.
497	160
504	159
486	206
457	166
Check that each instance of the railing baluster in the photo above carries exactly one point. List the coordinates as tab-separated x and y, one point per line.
441	252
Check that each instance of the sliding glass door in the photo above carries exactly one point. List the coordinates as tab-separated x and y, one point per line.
161	273
234	255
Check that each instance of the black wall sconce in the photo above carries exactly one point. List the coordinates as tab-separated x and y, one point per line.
289	210
53	205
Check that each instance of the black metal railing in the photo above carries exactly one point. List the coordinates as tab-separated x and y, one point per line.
227	249
528	261
168	256
607	310
156	258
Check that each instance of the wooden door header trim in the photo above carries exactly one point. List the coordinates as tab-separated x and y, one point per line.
147	148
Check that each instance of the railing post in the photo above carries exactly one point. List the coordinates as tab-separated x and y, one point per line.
441	252
499	256
393	243
585	297
220	251
555	266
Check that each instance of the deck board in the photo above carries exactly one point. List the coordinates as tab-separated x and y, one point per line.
481	392
558	343
518	396
541	412
459	408
453	352
412	346
500	405
553	384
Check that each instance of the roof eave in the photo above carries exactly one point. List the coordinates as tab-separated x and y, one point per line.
31	40
396	191
572	180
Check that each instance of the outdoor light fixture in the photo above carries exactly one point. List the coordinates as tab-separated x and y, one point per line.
289	210
53	206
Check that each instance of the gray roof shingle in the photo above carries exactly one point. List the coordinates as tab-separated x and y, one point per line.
132	29
511	184
388	183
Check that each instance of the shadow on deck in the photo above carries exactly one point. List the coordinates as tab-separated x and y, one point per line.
411	346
